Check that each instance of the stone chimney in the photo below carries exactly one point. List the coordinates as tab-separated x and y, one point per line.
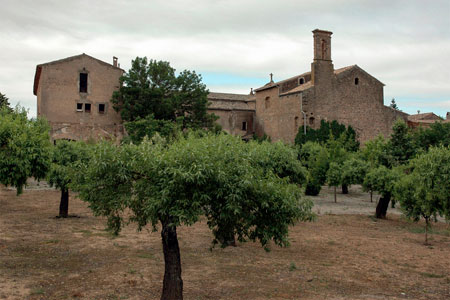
114	61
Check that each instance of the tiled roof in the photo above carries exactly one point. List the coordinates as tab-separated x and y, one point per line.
229	96
423	116
299	88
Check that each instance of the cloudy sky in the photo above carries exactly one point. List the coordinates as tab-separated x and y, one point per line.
236	44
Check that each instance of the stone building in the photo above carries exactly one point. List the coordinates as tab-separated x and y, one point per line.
425	120
349	95
74	94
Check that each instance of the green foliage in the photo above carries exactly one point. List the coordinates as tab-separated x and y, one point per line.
24	148
322	135
381	179
393	104
354	171
151	87
219	176
425	192
375	152
149	126
334	174
315	158
401	146
4	102
65	154
279	159
437	134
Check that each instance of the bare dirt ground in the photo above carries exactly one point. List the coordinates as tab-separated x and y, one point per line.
344	254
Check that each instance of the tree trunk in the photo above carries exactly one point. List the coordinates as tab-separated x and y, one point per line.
64	204
371	194
344	189
382	206
426	231
335	200
172	284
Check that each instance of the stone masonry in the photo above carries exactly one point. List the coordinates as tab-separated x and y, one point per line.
74	94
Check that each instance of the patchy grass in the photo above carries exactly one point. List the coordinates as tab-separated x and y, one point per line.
342	255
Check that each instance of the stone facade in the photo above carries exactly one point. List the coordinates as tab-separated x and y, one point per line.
348	95
74	94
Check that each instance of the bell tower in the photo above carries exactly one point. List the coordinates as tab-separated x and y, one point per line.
322	67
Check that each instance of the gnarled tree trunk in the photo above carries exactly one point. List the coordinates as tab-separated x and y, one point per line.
344	189
64	204
382	206
172	284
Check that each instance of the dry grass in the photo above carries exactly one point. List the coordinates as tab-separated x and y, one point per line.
337	257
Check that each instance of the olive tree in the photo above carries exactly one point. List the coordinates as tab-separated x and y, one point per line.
425	192
334	177
175	184
382	180
65	155
353	171
24	148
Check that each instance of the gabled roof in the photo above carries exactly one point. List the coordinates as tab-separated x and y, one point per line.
37	75
338	72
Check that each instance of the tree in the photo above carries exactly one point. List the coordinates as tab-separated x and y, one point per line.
151	88
327	130
315	158
353	171
334	177
65	155
215	175
24	148
4	101
401	146
437	134
382	180
393	104
425	192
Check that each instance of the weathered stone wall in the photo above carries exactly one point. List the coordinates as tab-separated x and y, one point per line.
58	94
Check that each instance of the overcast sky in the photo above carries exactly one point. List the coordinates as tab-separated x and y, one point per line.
236	44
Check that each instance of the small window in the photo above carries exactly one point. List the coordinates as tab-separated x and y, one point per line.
101	108
244	125
79	106
296	122
83	82
267	102
87	107
301	81
311	121
356	81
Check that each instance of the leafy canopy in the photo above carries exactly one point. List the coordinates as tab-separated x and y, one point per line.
425	192
4	101
151	88
229	181
24	147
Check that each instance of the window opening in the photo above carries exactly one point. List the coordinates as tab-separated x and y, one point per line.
79	106
296	122
83	82
356	81
301	81
101	108
244	125
311	121
87	107
267	102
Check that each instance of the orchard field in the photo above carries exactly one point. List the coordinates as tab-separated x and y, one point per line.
344	254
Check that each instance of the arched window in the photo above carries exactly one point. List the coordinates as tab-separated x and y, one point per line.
296	122
267	102
356	81
311	121
301	80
